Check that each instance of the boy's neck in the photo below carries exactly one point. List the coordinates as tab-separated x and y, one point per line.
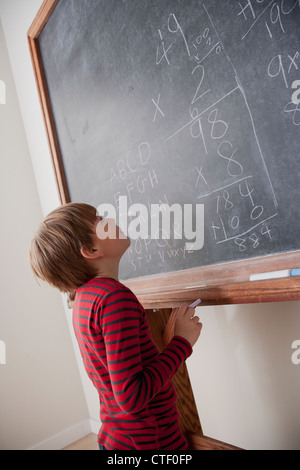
112	270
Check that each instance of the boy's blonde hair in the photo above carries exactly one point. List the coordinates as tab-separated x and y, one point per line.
55	255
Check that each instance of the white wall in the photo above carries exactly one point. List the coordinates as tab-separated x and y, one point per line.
41	395
246	388
17	16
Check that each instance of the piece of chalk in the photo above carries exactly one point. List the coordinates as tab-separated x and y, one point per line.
295	272
271	275
194	304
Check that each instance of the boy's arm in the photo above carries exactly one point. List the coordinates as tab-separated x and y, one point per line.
124	329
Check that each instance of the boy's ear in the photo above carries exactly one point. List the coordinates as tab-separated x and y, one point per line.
90	252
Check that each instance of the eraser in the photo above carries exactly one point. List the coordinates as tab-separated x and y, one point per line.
295	272
194	304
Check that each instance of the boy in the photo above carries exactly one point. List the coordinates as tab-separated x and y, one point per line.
133	380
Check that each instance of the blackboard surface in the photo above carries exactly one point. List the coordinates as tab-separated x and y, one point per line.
182	101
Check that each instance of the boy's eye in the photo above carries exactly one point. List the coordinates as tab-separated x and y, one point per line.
99	216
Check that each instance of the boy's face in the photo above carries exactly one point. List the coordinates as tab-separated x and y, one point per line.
109	238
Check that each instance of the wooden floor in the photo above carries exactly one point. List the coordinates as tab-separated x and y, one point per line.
88	442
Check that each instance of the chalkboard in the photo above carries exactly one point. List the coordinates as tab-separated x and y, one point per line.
181	101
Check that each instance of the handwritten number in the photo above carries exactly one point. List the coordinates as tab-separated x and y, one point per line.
172	17
294	109
241	243
234	168
222	126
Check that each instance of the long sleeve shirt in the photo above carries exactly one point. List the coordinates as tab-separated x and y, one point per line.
133	379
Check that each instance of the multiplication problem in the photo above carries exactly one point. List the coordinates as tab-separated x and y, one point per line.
236	207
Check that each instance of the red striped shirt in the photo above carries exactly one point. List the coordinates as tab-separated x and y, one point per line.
137	397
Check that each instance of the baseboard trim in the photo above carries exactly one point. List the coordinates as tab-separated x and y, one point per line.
94	425
68	436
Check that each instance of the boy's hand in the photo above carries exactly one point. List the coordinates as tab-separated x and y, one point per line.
187	325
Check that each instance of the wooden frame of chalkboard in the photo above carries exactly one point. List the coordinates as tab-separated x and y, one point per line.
225	283
37	26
